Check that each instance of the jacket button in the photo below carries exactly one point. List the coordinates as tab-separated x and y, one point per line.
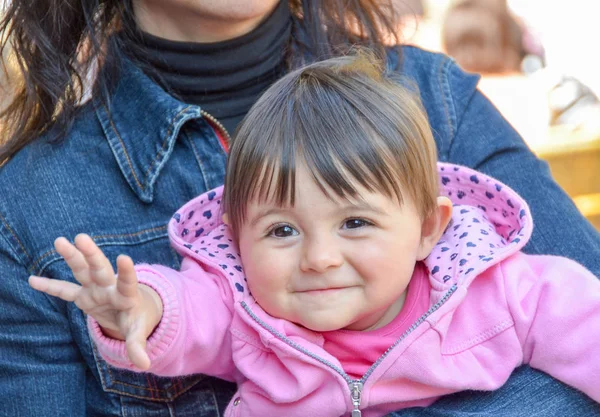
237	401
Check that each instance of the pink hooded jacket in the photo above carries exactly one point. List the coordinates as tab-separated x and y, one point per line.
492	309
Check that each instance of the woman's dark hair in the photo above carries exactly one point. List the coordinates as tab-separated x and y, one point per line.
55	47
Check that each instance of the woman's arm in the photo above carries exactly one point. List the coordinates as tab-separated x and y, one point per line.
42	369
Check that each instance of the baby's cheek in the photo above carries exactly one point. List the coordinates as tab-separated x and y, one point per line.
270	296
264	278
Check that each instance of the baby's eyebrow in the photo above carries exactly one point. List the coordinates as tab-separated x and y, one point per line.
264	213
361	205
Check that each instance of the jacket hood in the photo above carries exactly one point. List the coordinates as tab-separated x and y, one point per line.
489	223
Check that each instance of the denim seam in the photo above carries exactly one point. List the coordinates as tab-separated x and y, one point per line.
174	391
16	238
445	92
166	140
36	263
114	128
458	120
199	160
170	393
452	107
42	256
152	383
132	234
216	402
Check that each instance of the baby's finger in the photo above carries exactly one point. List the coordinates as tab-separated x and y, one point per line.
74	258
127	283
64	290
101	270
136	348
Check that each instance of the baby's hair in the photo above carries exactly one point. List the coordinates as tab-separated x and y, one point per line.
349	122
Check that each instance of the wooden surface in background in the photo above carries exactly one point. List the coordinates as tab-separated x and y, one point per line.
573	154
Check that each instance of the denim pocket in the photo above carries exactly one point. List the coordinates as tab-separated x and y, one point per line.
142	385
147	245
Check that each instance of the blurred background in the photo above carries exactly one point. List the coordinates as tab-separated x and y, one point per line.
540	65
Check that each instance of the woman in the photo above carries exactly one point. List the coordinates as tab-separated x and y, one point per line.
174	77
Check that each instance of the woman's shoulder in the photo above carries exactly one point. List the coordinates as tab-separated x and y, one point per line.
135	106
432	68
437	76
47	173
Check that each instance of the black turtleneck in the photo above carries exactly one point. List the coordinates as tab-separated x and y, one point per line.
224	78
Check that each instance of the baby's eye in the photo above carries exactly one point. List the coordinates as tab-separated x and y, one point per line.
356	223
283	231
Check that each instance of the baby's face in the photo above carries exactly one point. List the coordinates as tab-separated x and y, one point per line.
330	265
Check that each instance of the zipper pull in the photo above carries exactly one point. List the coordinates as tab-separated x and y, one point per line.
355	391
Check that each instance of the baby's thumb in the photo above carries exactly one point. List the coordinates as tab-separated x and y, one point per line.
135	343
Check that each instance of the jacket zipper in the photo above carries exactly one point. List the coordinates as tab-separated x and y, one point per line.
355	386
220	126
355	392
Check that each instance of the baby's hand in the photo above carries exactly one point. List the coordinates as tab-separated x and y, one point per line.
124	309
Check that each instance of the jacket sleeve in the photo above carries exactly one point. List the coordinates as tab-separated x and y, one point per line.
476	135
555	304
193	334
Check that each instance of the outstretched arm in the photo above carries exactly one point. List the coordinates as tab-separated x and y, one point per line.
170	323
124	309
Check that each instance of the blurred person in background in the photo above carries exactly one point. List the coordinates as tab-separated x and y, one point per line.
484	37
138	98
501	37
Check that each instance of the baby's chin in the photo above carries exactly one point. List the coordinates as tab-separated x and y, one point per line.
331	322
321	326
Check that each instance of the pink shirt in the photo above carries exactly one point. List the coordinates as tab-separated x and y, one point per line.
357	351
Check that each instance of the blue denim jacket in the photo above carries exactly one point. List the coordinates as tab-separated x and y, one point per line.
154	154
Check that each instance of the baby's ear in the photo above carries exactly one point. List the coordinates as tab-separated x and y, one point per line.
434	226
225	219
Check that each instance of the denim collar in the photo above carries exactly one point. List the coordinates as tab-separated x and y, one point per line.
141	127
143	123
